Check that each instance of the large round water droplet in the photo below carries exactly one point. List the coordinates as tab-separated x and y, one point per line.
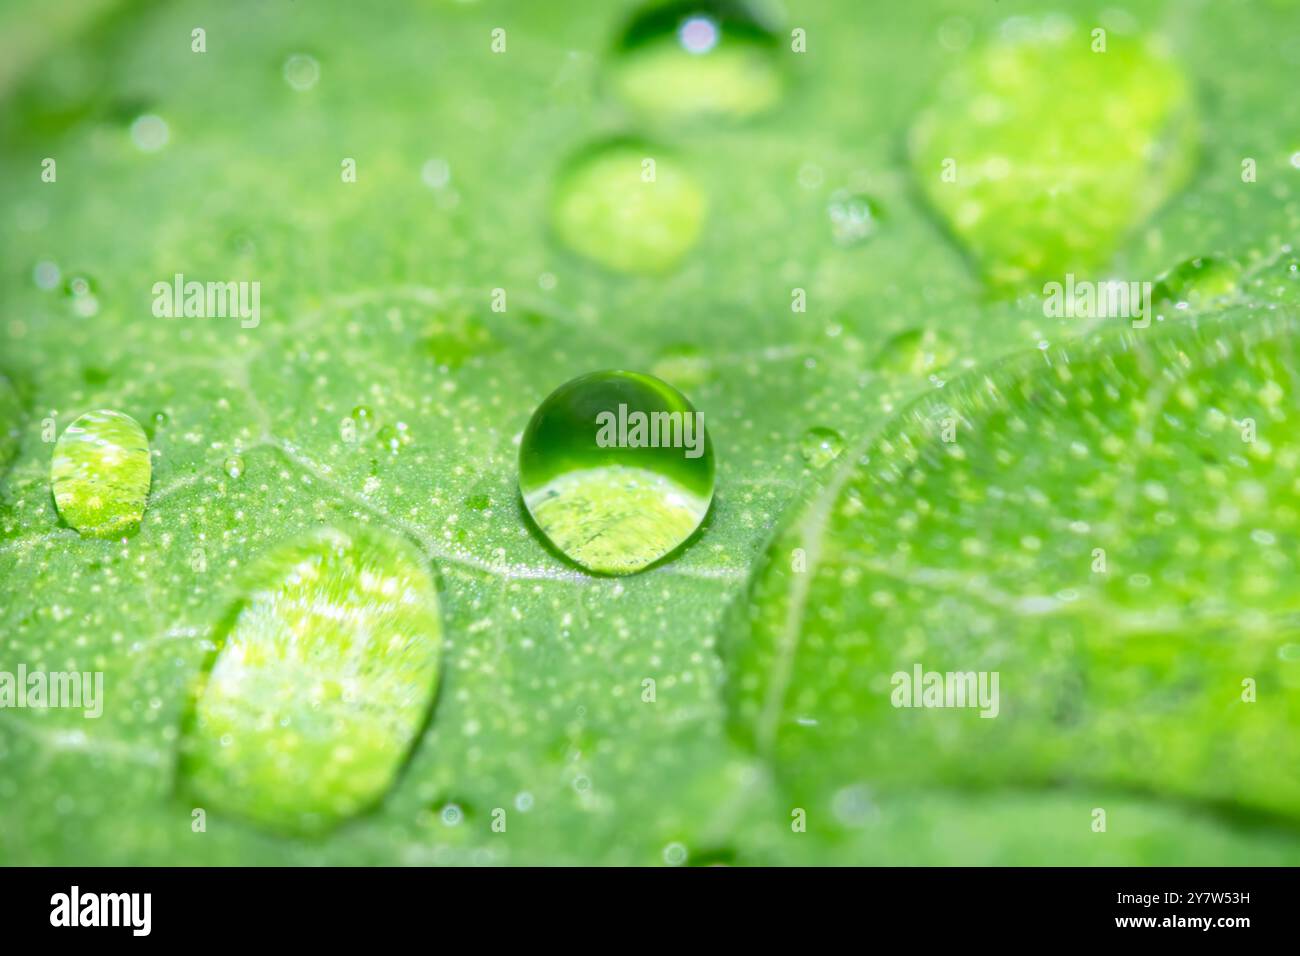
616	468
628	206
1195	283
686	60
323	678
100	473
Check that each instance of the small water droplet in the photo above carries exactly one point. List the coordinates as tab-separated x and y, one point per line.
301	72
234	466
821	446
915	352
684	365
1196	283
697	59
149	133
629	207
854	217
616	468
100	474
478	502
395	437
675	854
46	275
80	291
436	173
363	417
324	674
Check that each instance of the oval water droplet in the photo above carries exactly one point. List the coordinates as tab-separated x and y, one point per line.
323	677
684	365
854	217
616	468
1196	283
100	474
1041	155
821	446
302	72
234	466
698	59
915	352
395	437
363	417
629	207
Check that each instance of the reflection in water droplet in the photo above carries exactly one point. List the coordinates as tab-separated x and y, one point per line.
1196	283
100	474
630	207
821	446
301	72
687	60
684	365
323	678
234	466
915	352
616	468
363	417
854	217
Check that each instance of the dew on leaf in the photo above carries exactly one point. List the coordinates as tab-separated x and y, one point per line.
149	133
323	678
363	417
46	275
684	365
301	72
915	352
705	59
454	336
1041	155
854	218
100	473
395	437
616	469
1196	283
629	207
234	466
821	446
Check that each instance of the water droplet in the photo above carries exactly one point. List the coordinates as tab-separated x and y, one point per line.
160	419
324	674
478	502
301	72
364	417
697	59
435	173
630	207
821	446
456	335
1041	155
616	469
1196	283
100	474
234	466
675	854
684	365
80	291
854	217
149	133
915	352
395	437
46	275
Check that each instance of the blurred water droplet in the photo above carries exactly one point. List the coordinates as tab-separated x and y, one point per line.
301	72
46	275
854	218
234	466
1196	283
629	207
325	673
149	133
915	352
821	446
695	59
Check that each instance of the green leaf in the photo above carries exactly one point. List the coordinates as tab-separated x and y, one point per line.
1109	528
381	388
